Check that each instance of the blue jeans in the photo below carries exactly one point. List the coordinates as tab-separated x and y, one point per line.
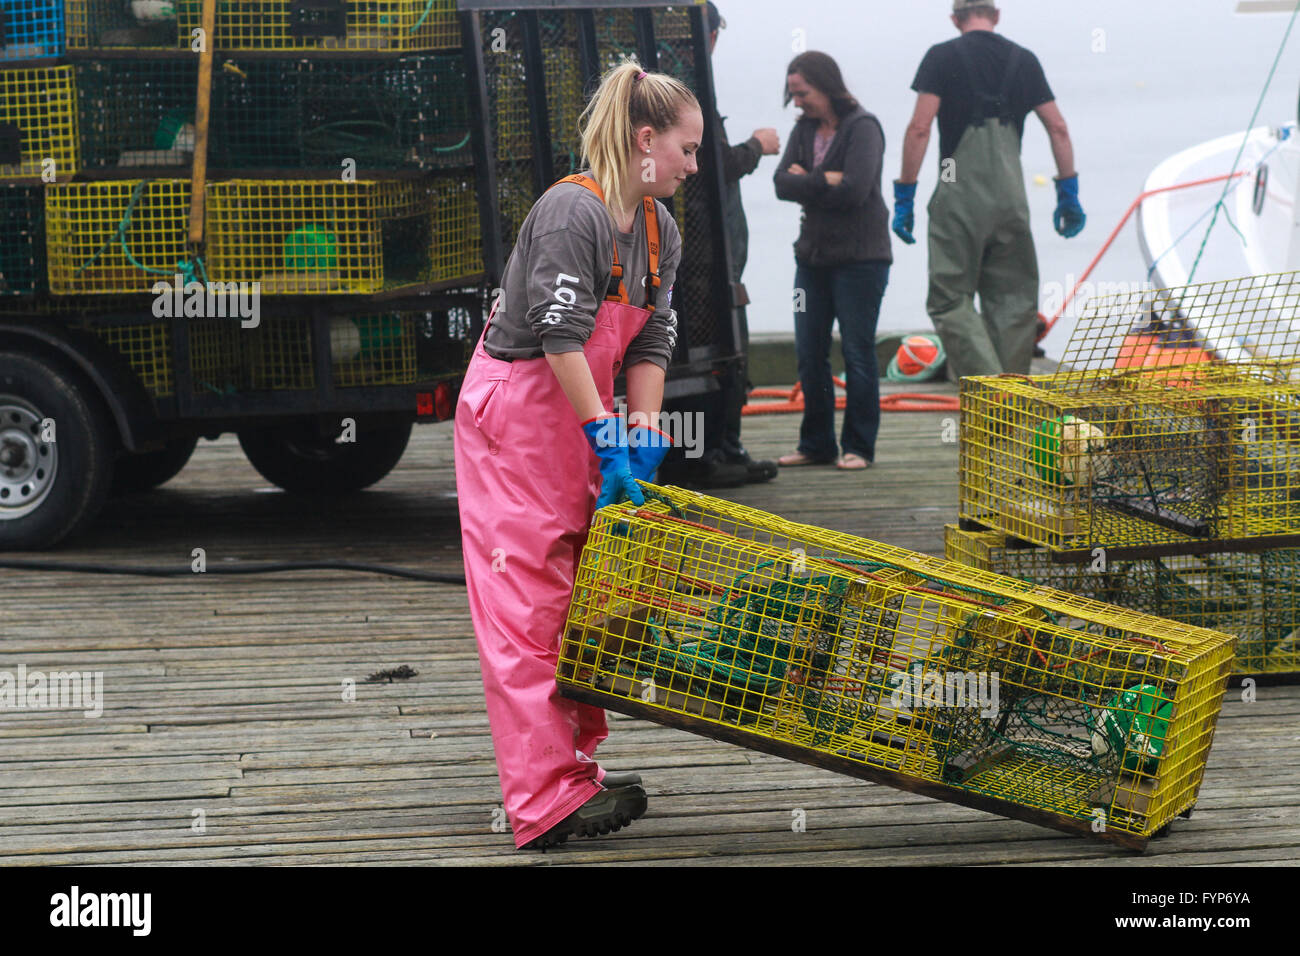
852	293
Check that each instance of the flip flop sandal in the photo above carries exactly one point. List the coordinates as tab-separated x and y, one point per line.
798	458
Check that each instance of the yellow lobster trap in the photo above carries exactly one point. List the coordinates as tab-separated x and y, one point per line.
40	104
119	236
315	237
273	25
1252	595
893	666
1138	462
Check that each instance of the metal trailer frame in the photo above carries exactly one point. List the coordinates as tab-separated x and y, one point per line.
144	419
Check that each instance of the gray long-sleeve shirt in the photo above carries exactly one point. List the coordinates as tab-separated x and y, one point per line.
558	273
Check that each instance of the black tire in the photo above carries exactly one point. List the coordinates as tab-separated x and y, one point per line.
297	459
140	472
49	491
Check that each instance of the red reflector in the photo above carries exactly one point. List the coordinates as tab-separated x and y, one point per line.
423	403
442	401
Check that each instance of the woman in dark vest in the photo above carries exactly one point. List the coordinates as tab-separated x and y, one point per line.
832	167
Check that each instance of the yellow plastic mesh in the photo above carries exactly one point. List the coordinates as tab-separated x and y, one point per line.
1166	457
373	349
145	347
115	237
839	646
1253	595
457	247
673	23
42	103
564	97
372	25
1234	320
615	37
315	237
216	358
227	359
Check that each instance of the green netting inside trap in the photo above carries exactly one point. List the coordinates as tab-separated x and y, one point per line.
22	242
749	650
675	47
615	37
1254	595
137	113
507	85
565	99
226	359
408	113
1062	728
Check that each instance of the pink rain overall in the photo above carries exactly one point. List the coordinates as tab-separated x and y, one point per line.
527	483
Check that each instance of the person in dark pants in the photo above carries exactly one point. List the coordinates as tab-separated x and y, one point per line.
725	463
832	167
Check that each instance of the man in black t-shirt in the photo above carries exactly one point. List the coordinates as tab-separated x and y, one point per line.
981	86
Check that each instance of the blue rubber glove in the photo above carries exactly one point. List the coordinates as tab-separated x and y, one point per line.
608	440
1069	218
905	211
646	449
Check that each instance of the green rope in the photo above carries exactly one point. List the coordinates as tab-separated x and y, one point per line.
190	270
1244	139
428	8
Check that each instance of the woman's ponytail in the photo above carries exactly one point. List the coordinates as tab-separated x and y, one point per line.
628	99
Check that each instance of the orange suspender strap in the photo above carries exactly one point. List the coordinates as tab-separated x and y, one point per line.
617	291
652	243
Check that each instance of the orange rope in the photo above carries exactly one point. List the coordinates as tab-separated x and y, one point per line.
792	401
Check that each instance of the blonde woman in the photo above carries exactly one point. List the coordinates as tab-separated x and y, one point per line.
587	291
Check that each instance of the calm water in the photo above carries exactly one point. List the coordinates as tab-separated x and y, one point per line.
1136	81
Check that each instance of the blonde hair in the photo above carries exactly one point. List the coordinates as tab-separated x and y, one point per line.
625	102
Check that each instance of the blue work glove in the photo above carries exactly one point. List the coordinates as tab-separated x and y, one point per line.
608	440
905	211
1069	218
646	450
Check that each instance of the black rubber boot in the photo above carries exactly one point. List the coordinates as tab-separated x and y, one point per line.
605	812
756	471
620	778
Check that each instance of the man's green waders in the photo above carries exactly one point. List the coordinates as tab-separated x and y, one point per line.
980	242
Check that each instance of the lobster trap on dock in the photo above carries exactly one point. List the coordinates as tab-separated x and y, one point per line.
1137	462
1254	595
892	666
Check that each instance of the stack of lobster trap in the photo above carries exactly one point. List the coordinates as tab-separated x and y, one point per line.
367	163
337	176
1158	469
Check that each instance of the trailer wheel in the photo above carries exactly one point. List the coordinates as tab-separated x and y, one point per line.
140	472
299	460
49	490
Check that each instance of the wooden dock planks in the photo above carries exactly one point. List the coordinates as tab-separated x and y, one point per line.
225	695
